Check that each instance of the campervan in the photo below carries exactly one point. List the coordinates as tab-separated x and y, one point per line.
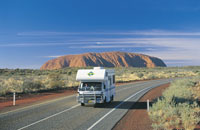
97	85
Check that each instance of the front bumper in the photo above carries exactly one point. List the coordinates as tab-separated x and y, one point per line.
90	98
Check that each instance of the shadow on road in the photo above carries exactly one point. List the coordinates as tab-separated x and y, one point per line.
125	105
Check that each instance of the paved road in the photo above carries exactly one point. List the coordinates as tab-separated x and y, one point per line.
66	114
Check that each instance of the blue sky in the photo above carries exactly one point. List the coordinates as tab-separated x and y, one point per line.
34	31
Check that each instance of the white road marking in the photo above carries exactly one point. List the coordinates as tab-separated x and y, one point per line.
46	102
116	108
79	105
54	101
49	117
73	108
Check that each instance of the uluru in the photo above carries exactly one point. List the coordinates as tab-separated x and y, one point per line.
105	59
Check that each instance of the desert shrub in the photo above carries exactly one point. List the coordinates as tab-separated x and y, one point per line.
69	73
151	76
177	108
3	88
196	91
189	115
66	77
164	115
31	86
55	81
54	76
13	85
140	75
56	84
10	85
179	91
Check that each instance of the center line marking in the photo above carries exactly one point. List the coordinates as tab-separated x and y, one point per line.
116	108
49	117
79	105
73	108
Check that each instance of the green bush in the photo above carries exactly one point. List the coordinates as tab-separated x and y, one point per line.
179	91
66	77
3	89
31	86
188	115
56	84
55	81
140	75
177	108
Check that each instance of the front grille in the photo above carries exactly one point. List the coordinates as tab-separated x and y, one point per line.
86	97
90	95
90	89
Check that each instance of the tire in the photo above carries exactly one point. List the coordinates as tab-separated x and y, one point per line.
112	98
82	104
105	100
96	105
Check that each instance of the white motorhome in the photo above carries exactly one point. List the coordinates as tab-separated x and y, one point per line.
97	85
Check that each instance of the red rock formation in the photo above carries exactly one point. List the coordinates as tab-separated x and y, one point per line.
105	59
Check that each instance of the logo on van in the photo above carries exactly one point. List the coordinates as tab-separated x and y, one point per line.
90	73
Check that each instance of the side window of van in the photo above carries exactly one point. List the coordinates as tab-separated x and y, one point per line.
110	80
113	79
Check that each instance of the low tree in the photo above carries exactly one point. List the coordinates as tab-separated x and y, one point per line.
55	81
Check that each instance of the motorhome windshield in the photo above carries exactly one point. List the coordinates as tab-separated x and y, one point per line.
90	86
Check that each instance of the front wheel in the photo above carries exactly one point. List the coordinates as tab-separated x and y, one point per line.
82	104
105	100
112	98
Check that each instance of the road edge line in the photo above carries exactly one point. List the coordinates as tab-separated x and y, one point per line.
117	107
49	117
37	104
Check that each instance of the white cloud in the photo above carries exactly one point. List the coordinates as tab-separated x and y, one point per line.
98	43
146	33
55	56
38	44
165	33
109	46
45	33
165	48
164	42
30	44
168	45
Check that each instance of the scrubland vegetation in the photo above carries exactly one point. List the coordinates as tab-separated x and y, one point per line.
178	109
27	81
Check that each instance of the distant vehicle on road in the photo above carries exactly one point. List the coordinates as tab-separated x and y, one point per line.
97	85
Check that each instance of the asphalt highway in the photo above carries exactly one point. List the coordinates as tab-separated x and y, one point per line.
66	114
